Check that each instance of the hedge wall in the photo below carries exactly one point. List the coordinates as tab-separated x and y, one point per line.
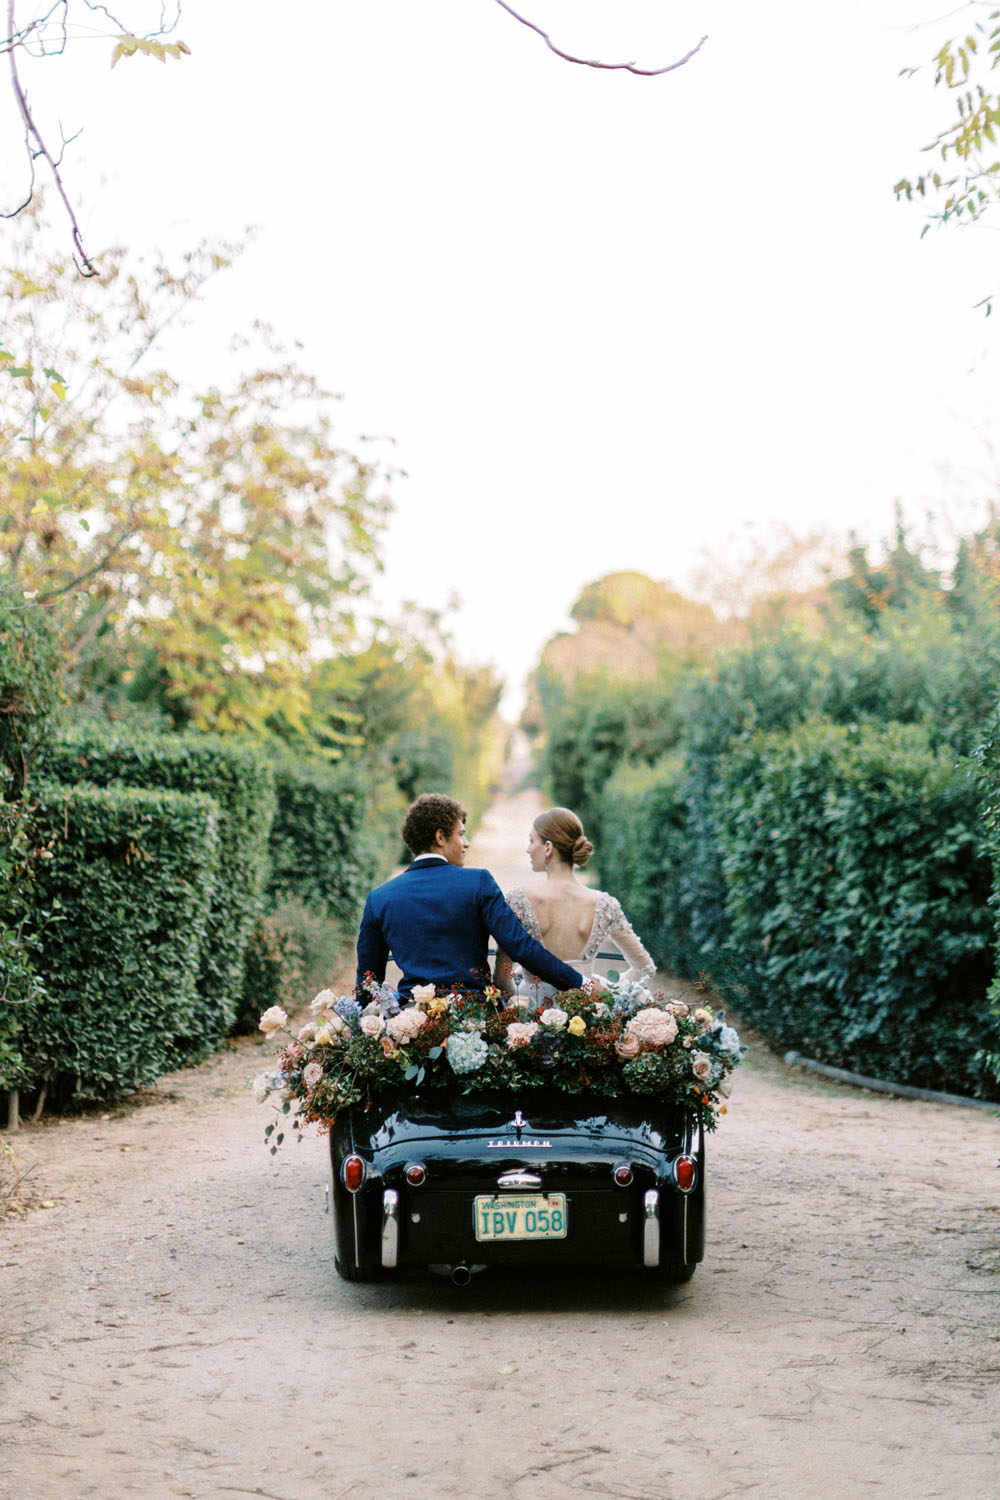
321	852
987	759
121	902
857	894
241	781
642	856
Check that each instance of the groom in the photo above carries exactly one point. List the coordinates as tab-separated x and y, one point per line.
436	917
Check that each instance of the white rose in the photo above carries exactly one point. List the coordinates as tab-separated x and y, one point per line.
554	1017
323	1000
308	1031
519	1033
422	993
261	1087
272	1020
372	1025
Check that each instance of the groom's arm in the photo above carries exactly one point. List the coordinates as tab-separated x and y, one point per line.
373	950
513	939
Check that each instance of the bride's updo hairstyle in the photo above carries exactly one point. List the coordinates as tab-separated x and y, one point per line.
564	831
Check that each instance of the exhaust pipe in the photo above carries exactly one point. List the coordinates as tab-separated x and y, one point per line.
460	1274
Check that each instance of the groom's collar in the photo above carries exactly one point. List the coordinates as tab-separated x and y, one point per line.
426	858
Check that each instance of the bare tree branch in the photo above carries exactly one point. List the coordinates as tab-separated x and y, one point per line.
31	132
586	62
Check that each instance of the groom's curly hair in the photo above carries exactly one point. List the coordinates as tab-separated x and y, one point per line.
425	816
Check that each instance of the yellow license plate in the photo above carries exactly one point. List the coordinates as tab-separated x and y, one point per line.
533	1217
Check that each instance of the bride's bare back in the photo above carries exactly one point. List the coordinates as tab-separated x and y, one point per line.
564	913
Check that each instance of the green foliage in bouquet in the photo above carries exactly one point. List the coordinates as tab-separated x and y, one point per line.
240	779
857	892
628	1041
120	905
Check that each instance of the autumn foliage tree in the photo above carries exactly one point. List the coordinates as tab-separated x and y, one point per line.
199	541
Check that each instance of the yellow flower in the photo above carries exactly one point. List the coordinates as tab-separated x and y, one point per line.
577	1026
324	1036
439	1006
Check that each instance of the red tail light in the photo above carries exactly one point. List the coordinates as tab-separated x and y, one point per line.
623	1174
353	1172
685	1173
416	1173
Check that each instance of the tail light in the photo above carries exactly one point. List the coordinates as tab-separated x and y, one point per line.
623	1174
416	1173
353	1173
685	1170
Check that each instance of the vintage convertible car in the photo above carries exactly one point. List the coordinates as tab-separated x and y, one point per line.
457	1183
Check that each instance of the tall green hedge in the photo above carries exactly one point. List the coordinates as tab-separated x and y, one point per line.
121	903
321	849
642	856
241	781
857	894
987	760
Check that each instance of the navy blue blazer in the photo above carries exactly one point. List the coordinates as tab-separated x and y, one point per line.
436	919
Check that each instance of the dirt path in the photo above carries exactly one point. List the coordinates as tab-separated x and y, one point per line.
174	1325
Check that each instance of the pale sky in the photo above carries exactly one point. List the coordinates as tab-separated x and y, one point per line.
608	321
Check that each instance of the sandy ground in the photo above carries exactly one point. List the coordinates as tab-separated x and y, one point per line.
173	1324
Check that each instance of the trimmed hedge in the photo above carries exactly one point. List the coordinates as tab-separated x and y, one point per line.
987	761
642	856
241	781
121	902
857	891
321	852
20	987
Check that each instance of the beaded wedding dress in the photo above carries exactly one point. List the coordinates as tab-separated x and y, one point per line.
611	932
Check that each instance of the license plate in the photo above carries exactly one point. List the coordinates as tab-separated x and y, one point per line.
534	1217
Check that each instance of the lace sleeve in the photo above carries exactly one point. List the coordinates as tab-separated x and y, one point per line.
635	955
525	914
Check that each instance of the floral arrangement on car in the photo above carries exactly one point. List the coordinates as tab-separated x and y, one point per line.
626	1040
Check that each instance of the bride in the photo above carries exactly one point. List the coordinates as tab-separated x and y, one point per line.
572	920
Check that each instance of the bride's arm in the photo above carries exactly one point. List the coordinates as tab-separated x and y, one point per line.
640	963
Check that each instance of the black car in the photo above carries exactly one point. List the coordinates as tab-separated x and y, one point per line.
460	1182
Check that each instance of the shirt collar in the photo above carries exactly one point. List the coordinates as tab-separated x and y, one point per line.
421	857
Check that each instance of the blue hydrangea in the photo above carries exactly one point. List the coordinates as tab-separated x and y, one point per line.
729	1042
348	1010
467	1051
388	1000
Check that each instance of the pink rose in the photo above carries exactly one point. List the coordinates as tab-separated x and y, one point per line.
656	1028
404	1026
627	1046
701	1066
372	1025
311	1074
